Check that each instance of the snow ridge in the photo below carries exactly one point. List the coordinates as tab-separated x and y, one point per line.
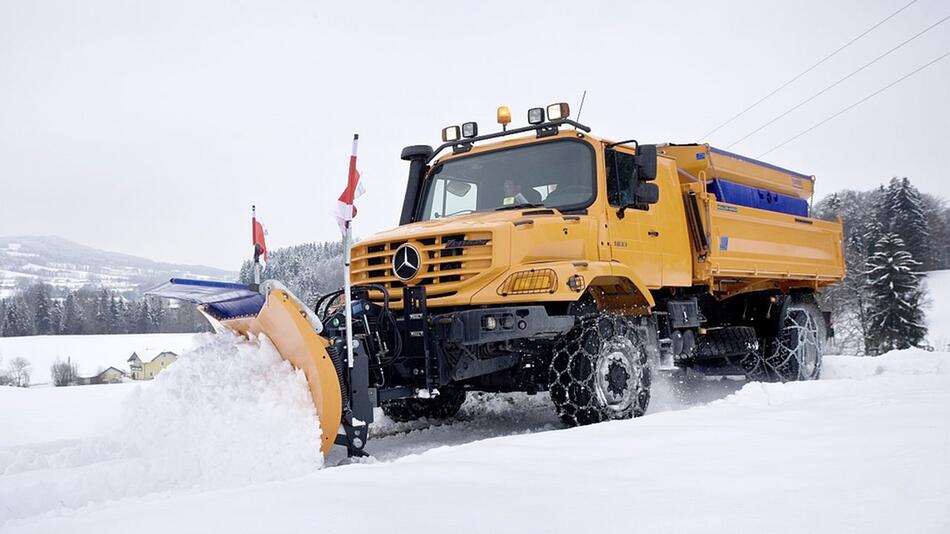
228	413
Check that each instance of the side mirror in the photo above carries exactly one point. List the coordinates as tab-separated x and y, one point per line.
648	194
644	194
646	162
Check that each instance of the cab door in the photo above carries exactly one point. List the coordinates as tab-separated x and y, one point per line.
634	234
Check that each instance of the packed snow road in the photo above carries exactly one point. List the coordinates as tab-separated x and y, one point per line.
225	442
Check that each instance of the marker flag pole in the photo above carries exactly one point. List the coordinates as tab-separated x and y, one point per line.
345	213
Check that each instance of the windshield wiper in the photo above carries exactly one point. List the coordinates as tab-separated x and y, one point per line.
519	206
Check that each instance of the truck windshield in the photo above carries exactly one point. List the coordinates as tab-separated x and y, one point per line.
556	174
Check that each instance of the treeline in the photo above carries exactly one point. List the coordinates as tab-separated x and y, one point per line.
892	234
308	270
41	309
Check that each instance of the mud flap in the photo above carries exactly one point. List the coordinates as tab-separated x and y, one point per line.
283	319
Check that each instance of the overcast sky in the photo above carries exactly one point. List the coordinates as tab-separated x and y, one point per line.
151	127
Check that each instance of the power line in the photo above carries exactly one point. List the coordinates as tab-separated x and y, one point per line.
809	69
868	97
826	89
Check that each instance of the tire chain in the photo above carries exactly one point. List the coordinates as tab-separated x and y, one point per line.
443	406
570	374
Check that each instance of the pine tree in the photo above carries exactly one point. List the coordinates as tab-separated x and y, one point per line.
143	319
114	321
876	224
17	321
56	317
130	317
73	317
938	222
156	315
906	217
895	320
101	320
42	319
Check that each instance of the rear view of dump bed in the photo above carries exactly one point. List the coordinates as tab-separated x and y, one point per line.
750	225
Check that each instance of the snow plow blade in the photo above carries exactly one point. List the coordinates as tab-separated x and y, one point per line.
293	329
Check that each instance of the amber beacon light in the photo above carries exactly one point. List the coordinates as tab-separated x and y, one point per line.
504	117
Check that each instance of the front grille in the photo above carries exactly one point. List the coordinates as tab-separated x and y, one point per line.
447	262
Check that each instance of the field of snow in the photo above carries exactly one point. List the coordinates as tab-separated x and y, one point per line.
867	449
225	441
90	353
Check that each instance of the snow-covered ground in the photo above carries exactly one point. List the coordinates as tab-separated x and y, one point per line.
867	449
90	353
225	441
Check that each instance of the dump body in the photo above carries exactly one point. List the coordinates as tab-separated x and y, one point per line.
739	247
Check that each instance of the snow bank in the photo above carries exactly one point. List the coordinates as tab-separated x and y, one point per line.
898	362
90	353
228	413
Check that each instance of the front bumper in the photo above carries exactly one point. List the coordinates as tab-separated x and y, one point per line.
486	325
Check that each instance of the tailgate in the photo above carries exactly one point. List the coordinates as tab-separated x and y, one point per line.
748	242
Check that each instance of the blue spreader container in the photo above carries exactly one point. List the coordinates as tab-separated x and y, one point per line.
752	197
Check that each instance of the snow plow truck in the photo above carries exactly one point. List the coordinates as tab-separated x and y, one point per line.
544	258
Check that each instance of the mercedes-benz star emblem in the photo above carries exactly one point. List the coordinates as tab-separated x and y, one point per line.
406	262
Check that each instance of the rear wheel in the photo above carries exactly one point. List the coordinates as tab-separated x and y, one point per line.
739	345
600	371
796	352
443	406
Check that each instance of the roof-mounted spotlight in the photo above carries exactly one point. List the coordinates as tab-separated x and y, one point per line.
558	111
469	129
504	117
535	115
451	134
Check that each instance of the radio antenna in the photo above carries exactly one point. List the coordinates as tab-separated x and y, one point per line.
581	107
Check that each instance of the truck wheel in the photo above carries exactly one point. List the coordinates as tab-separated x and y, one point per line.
795	353
600	371
443	406
729	341
739	345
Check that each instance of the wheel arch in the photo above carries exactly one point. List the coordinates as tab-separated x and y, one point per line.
621	291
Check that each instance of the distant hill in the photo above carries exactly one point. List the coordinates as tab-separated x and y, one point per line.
62	263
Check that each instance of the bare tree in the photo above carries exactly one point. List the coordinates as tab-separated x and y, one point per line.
63	373
20	372
4	377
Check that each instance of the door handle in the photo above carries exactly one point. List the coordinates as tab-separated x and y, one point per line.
653	233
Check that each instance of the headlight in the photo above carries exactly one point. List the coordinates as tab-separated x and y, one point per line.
529	282
469	129
451	133
558	111
535	115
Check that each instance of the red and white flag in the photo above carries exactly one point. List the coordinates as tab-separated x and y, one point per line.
345	209
257	237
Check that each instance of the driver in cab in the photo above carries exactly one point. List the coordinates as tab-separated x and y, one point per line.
514	194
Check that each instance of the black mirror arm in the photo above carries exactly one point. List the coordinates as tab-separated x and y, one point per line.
621	212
